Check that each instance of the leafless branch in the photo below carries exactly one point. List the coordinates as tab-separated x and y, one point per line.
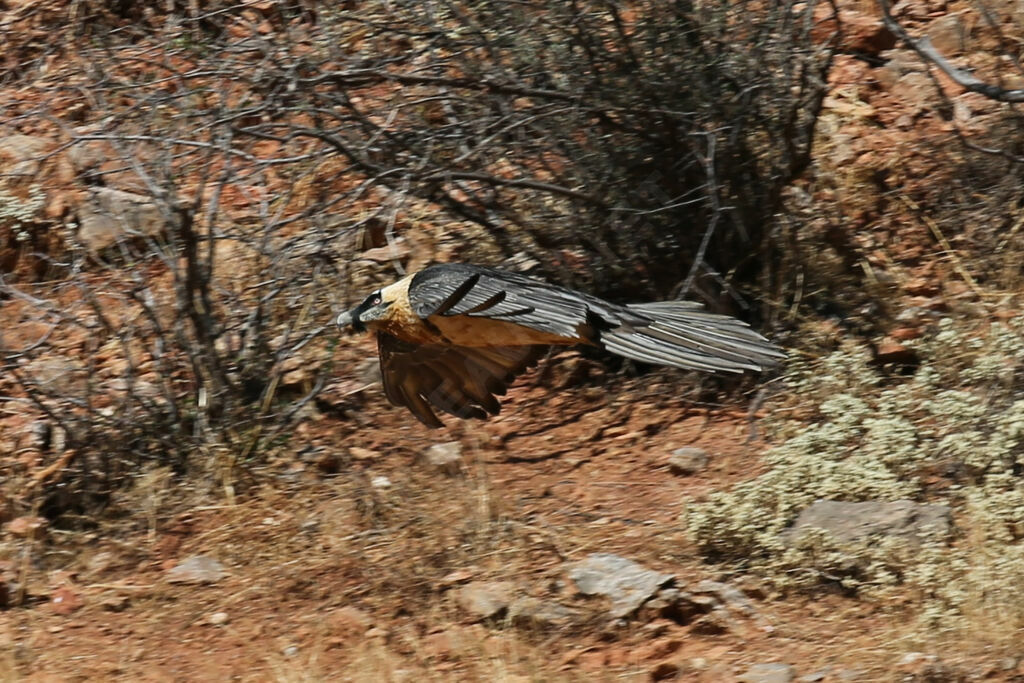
923	47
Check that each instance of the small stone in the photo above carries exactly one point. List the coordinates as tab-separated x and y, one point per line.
688	460
26	527
290	651
218	618
627	584
774	672
197	569
64	601
485	599
115	603
380	482
358	453
445	458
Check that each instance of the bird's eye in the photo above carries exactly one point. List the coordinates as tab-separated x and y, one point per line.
375	301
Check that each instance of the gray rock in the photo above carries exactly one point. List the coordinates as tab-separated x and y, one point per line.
848	522
445	458
728	595
627	584
688	460
21	155
197	569
109	216
775	672
485	599
529	612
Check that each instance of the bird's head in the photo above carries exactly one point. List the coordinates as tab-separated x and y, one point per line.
372	308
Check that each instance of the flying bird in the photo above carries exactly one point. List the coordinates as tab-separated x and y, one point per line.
454	336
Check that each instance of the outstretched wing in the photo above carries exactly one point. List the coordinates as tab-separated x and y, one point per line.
457	380
676	333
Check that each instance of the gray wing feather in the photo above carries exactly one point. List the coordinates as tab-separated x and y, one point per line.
683	335
456	289
677	333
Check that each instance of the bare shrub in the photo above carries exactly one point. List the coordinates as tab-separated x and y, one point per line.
232	161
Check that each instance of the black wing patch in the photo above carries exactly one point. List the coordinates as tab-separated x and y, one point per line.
458	289
460	381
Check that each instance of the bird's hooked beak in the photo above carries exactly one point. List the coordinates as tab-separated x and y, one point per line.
370	309
350	319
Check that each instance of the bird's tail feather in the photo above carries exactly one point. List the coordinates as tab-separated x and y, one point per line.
683	335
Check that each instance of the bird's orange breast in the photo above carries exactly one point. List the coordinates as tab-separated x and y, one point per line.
464	330
400	321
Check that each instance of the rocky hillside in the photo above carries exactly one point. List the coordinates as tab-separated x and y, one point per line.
202	479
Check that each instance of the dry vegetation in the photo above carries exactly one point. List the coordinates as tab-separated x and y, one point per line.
187	193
